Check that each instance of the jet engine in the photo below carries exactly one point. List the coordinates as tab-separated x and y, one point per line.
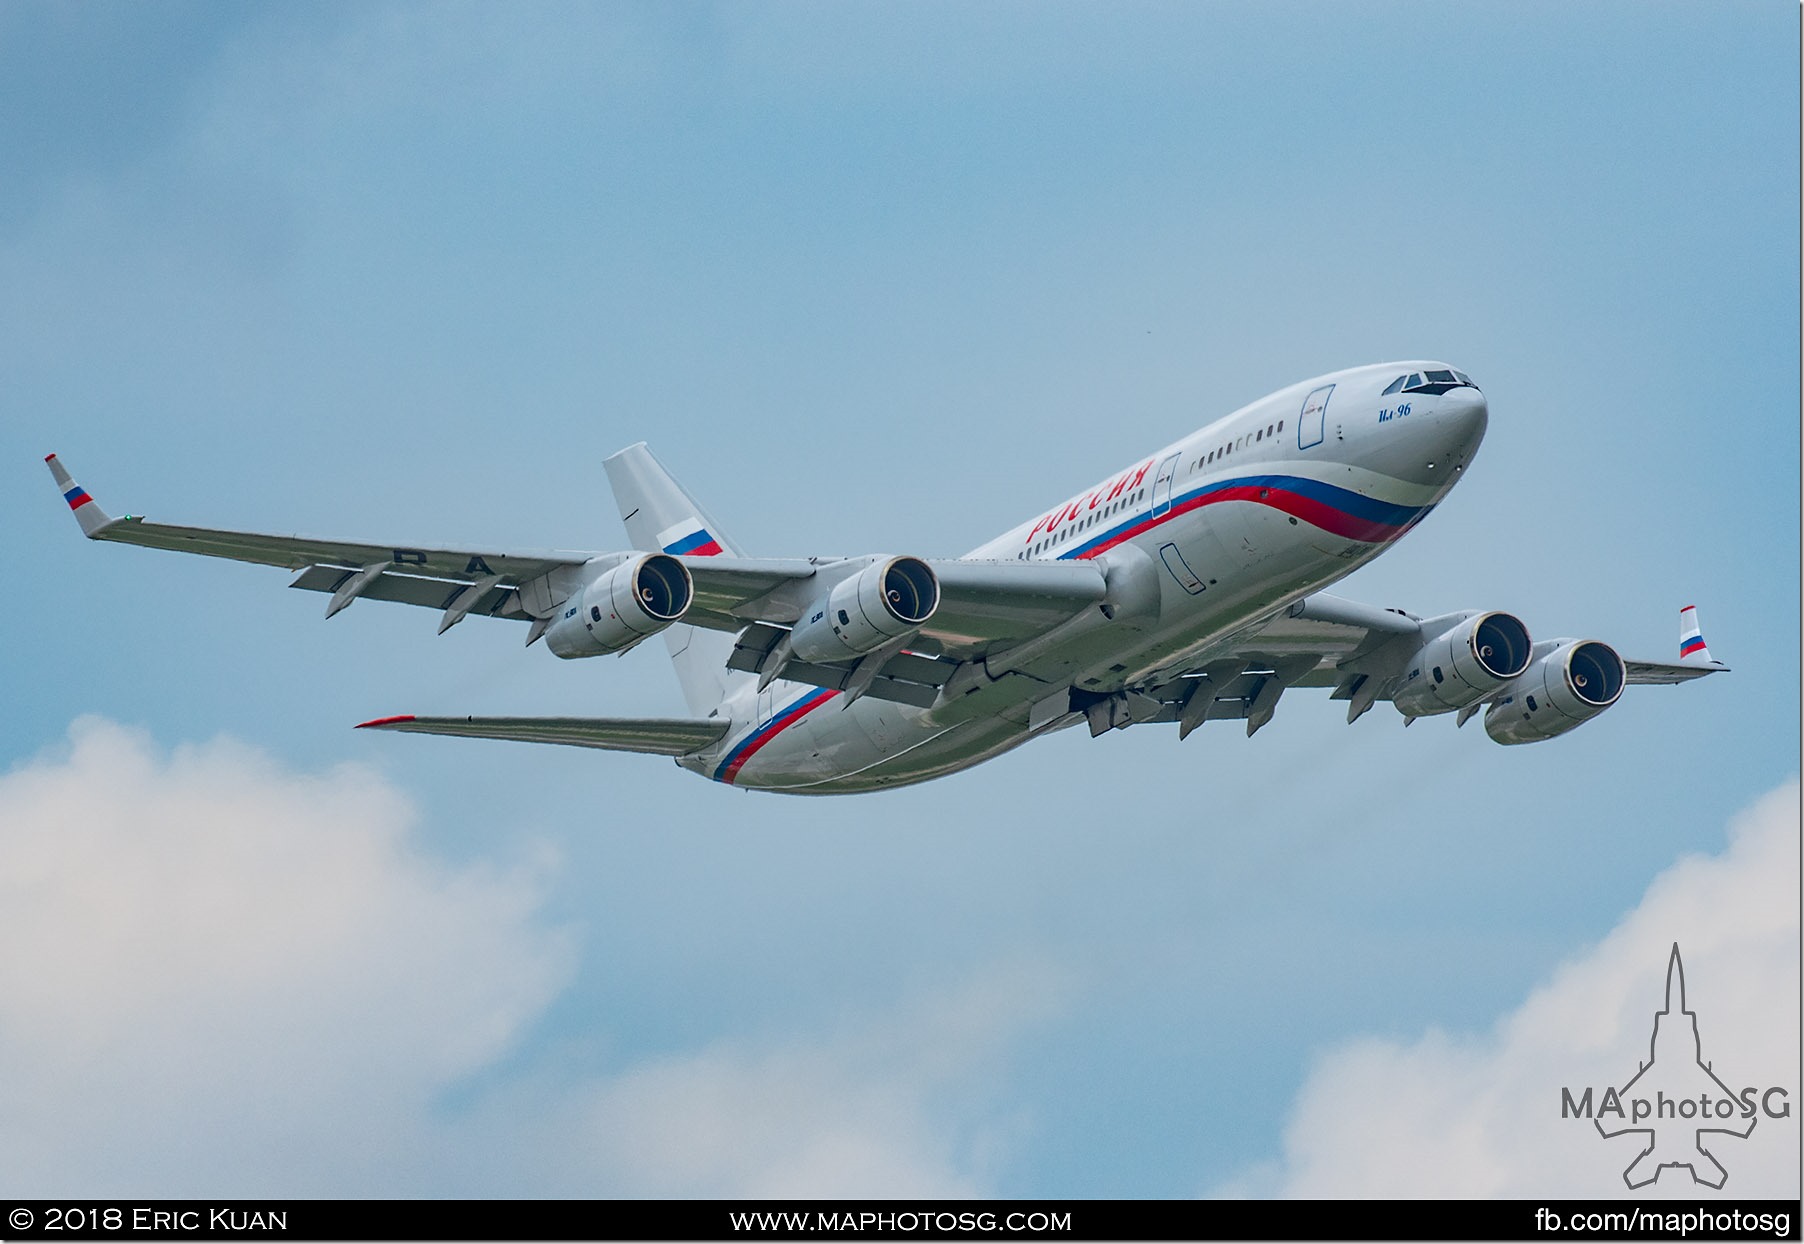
639	597
1572	683
1464	664
858	615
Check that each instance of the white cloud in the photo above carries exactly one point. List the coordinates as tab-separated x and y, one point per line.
883	1107
1452	1115
225	977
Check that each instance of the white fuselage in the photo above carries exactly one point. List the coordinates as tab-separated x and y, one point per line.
1240	519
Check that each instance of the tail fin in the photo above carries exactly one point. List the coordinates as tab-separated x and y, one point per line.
1692	648
661	517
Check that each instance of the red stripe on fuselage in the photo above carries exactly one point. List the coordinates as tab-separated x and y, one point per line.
777	726
1308	509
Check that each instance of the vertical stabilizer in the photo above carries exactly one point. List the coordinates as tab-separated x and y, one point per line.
661	517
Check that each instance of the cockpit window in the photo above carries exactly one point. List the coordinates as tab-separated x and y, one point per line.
1395	385
1438	380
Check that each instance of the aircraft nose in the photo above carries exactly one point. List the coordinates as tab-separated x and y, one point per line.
1433	443
1462	417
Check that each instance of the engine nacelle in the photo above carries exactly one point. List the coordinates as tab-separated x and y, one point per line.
880	603
1571	684
639	597
1464	664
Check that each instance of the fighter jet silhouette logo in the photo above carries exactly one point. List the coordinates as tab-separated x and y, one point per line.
1687	1103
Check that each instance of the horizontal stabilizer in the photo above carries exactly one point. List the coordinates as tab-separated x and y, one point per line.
660	736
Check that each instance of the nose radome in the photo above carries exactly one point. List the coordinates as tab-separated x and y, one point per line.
1463	415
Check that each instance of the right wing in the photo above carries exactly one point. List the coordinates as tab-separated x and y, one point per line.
983	604
459	581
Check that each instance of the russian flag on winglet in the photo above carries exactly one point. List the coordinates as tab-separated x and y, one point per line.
91	517
1691	638
688	539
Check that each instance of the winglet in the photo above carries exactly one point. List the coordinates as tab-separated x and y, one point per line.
91	517
1692	649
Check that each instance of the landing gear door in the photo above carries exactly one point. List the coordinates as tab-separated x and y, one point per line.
1311	422
1168	470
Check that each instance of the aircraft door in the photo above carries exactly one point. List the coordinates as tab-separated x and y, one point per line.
1180	569
1168	471
1315	414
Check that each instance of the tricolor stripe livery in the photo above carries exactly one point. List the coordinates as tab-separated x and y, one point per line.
1338	511
77	497
750	745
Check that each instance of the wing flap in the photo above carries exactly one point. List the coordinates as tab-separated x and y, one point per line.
659	736
982	603
905	678
500	600
746	588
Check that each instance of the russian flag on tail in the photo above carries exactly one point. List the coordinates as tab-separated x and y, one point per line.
689	539
1691	638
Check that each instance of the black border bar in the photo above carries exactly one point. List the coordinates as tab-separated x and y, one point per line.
1692	1219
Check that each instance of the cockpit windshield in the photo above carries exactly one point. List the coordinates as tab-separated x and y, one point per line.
1436	380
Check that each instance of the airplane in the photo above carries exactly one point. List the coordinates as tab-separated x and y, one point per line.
1183	589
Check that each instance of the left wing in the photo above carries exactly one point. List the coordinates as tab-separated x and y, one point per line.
1694	656
1369	655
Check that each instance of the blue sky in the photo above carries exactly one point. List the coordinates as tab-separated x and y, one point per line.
867	278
